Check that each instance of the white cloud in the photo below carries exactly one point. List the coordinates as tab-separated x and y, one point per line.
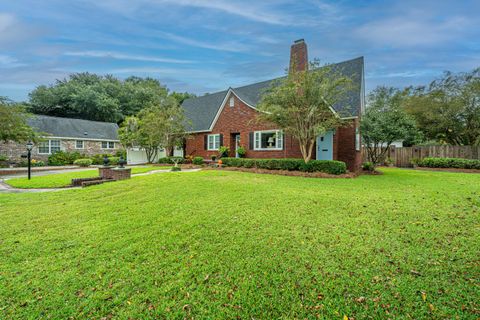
413	30
122	56
9	62
232	46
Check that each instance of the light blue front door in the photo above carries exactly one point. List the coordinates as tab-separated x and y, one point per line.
325	146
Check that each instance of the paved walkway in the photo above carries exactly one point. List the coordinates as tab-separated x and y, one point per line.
5	188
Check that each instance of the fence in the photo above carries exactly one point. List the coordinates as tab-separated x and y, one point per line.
402	157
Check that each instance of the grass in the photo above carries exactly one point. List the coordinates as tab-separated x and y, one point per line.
222	245
60	180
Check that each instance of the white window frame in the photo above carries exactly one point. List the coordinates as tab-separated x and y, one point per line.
110	145
232	102
257	140
213	142
83	144
49	146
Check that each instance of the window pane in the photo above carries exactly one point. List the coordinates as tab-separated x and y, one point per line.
217	141
54	146
104	144
79	144
43	147
268	140
257	140
111	145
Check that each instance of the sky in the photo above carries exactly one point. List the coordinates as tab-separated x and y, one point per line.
205	46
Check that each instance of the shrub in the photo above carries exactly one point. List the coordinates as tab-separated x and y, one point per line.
113	160
34	163
368	166
3	158
197	160
83	162
121	153
98	158
62	158
241	151
169	160
449	163
223	151
326	166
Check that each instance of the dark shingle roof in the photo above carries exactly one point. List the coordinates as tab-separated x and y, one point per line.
74	128
201	111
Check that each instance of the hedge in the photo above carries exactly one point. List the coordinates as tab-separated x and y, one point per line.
83	162
61	158
449	163
326	166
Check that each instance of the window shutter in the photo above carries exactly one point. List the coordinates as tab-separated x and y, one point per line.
250	140
221	140
205	142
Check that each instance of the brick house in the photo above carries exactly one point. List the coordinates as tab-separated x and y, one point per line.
66	134
228	118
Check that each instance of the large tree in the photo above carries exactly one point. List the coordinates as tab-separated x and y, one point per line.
384	122
301	104
158	126
13	122
93	97
448	110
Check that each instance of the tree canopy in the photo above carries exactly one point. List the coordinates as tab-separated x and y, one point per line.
102	98
448	110
13	122
157	126
301	104
384	122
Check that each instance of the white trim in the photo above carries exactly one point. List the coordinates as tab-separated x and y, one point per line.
214	137
108	145
49	142
77	138
276	131
83	144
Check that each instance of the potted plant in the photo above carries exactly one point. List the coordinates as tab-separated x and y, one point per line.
214	157
223	151
241	152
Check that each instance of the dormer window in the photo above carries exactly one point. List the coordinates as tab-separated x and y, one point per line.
232	102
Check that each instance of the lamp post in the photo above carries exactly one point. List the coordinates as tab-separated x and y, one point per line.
29	157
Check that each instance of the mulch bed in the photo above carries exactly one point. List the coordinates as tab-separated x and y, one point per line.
348	175
448	170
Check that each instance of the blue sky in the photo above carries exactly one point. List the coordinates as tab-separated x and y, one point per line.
208	45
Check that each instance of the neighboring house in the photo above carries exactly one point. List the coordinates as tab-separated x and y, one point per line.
66	134
228	118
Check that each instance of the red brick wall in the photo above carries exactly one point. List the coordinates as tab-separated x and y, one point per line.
242	119
344	147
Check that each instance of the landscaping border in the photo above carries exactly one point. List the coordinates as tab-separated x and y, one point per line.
349	175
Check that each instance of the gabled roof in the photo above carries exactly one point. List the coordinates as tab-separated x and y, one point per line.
74	128
201	111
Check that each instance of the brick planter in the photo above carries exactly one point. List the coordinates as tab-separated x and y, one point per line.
105	172
121	173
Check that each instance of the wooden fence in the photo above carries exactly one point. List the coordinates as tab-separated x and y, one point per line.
402	157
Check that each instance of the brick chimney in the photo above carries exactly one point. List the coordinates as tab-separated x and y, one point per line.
298	55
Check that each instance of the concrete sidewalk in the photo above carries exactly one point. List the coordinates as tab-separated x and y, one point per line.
5	188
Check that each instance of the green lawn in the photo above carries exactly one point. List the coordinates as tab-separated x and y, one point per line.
224	245
59	180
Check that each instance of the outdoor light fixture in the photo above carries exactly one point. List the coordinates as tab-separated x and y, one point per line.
29	158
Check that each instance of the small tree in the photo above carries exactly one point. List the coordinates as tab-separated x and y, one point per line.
385	122
13	122
158	126
301	104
